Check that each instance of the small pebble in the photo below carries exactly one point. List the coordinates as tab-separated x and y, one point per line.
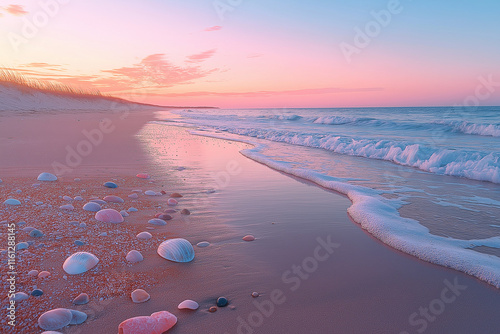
79	243
185	212
222	302
255	294
81	299
110	185
43	274
212	309
37	292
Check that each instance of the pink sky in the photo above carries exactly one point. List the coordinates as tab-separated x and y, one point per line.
187	54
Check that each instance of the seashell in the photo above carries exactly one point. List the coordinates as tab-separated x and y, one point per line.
203	244
157	221
143	176
79	263
140	296
37	293
164	216
188	305
172	202
109	216
78	198
22	245
150	193
124	213
113	199
81	299
163	192
176	250
132	209
18	296
68	207
77	317
255	294
28	229
175	195
98	201
133	196
144	236
92	206
248	238
43	274
51	332
12	201
55	319
110	185
134	256
36	233
83	225
185	212
157	323
33	273
67	198
47	177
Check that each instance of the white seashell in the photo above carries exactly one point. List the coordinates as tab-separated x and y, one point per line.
144	236
150	193
12	201
68	207
55	319
188	305
47	177
177	250
67	198
133	196
78	198
172	202
140	296
157	221
79	263
109	216
134	256
92	206
33	273
77	317
113	199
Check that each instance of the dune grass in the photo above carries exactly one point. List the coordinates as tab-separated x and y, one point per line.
13	78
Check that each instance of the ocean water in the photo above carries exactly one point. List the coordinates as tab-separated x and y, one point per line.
425	181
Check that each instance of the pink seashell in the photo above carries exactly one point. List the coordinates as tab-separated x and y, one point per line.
134	256
249	238
43	274
188	305
175	195
172	202
33	273
143	176
144	236
113	199
109	216
157	323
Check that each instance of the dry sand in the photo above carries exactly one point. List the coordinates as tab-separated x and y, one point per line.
361	287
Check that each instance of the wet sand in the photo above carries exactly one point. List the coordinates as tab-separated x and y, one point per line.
315	269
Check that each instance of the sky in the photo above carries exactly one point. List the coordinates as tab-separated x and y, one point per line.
261	53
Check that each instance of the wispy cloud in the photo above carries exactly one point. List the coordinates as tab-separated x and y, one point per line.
214	28
200	57
17	10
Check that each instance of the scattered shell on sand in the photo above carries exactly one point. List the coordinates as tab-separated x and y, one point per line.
77	317
172	202
12	201
68	207
164	216
33	273
113	199
67	198
36	233
144	236
79	263
157	323
203	244
139	296
18	296
133	196
157	221
185	212
28	229
132	209
98	201
22	245
109	216
55	319
92	206
51	332
43	274
134	256
37	292
188	305
143	176
255	294
150	193
170	211
81	299
248	238
79	243
78	198
175	195
124	213
176	250
47	177
110	185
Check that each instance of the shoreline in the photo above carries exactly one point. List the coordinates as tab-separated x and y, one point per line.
362	274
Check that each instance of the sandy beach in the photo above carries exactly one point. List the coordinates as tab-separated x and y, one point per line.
315	270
